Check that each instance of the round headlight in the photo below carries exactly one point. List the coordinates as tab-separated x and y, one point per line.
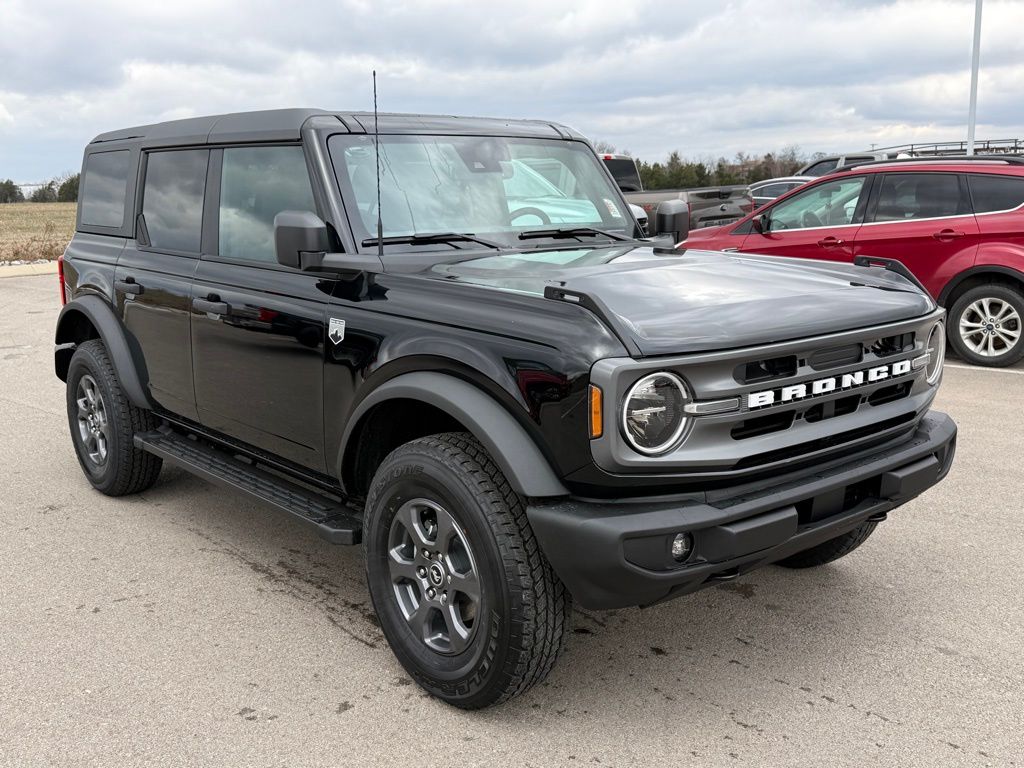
937	350
652	415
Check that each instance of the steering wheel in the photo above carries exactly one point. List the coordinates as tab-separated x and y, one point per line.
810	219
529	211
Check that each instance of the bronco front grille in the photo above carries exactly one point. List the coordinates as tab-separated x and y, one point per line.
793	400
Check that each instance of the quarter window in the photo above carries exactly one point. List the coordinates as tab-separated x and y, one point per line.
104	186
172	202
821	167
832	204
257	183
996	193
908	196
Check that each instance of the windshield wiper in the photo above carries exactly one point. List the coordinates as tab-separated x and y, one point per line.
570	232
426	238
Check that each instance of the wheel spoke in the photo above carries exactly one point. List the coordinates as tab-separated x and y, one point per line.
409	516
401	569
458	633
466	583
1005	311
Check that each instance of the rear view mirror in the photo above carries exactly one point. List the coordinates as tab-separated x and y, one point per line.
761	224
299	238
672	218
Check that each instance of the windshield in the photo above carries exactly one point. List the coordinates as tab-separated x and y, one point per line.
492	187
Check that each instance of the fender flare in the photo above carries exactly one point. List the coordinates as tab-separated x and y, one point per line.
98	312
513	450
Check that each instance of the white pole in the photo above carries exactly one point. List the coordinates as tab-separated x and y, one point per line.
972	113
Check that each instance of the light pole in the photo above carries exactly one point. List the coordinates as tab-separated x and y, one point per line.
972	112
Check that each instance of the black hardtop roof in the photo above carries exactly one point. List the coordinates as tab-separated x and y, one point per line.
286	125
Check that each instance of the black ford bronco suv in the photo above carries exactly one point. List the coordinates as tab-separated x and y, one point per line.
505	393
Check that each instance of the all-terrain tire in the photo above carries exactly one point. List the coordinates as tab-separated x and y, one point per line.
522	617
830	550
124	469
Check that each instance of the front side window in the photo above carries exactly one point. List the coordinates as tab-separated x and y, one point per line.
832	204
172	201
257	183
104	186
996	193
908	196
496	187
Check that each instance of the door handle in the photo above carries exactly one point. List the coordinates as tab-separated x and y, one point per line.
128	286
831	242
946	235
211	305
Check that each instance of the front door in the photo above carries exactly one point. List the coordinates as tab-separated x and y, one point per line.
258	328
819	223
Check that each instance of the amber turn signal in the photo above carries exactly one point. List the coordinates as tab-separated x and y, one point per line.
596	412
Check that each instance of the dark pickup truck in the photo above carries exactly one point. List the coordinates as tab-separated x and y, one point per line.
707	206
446	340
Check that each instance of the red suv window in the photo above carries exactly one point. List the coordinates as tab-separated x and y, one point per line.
996	193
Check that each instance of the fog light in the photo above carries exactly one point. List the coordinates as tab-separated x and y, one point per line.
682	546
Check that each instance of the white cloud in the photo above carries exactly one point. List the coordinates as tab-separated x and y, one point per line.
707	79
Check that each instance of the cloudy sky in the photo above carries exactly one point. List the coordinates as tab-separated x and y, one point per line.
706	78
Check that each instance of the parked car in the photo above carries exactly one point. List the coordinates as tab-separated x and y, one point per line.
956	223
823	165
509	414
763	192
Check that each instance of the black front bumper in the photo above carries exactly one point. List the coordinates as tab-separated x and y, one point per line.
612	555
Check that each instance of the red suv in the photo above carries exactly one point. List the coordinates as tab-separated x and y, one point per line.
956	223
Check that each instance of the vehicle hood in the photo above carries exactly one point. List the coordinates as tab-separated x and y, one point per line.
689	300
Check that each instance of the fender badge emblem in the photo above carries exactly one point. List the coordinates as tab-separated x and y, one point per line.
336	330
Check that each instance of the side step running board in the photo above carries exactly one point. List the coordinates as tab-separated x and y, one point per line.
334	521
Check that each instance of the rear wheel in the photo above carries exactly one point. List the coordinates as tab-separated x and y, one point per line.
103	425
985	325
465	597
830	550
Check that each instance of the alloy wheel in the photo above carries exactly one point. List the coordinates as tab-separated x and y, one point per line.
434	576
990	327
93	423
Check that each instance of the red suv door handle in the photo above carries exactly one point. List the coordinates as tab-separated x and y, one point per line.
948	234
831	242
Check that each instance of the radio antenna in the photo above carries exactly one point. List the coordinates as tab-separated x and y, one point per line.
376	152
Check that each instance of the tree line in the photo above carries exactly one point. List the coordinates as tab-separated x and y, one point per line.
59	189
676	172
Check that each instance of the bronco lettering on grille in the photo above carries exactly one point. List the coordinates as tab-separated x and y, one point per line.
828	384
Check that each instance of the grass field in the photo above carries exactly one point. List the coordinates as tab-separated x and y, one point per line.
30	231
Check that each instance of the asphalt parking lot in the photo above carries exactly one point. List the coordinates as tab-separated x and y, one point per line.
185	627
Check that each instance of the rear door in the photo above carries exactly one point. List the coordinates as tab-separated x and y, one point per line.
923	220
258	328
153	278
999	211
819	222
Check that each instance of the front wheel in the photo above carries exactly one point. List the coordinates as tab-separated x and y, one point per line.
465	597
985	326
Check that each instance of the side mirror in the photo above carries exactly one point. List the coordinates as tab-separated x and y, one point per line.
672	218
298	236
761	224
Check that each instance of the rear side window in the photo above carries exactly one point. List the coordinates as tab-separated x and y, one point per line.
257	183
172	199
996	193
104	185
908	196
